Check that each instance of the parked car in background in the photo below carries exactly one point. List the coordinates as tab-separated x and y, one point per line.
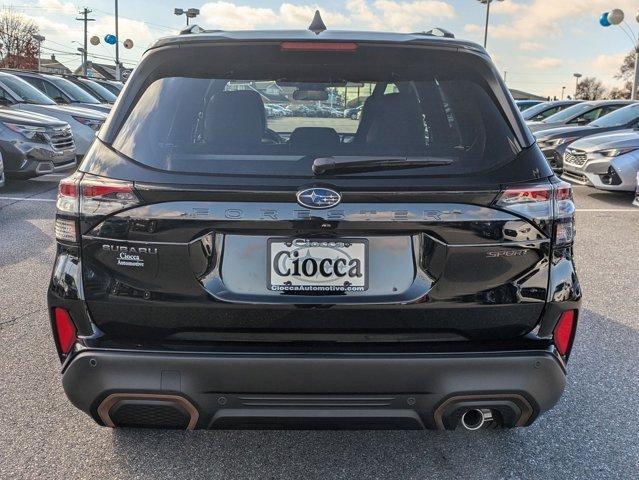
93	88
2	180
581	114
553	142
353	113
608	161
526	104
544	110
21	95
111	85
34	144
61	90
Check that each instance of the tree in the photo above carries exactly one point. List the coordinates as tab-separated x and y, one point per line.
623	93
627	68
18	48
590	88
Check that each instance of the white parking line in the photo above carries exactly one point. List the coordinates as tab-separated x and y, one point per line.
606	210
29	199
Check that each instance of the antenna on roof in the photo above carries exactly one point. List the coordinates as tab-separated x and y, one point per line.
317	25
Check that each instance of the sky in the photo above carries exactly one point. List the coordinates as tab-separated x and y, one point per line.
539	43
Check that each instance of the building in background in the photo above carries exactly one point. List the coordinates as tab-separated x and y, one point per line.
520	95
102	71
52	65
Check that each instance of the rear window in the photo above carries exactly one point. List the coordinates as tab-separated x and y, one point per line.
76	93
618	118
261	111
570	113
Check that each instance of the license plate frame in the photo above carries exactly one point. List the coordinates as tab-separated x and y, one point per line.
322	288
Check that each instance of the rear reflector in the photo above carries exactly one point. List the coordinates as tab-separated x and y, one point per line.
318	47
65	331
565	332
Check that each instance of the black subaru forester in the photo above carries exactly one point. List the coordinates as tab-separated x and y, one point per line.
221	267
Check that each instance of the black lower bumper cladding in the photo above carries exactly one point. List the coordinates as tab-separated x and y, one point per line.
209	391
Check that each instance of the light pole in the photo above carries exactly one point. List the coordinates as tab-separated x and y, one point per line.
487	3
616	17
563	91
117	45
188	12
39	39
577	77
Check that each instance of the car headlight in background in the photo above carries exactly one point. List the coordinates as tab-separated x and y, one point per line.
89	122
29	131
615	152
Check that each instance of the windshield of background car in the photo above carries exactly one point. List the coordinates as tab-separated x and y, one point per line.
72	90
618	118
27	92
570	113
100	90
264	111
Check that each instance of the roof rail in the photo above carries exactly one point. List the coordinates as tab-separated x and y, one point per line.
433	32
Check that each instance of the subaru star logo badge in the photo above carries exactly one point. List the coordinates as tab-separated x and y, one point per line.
318	197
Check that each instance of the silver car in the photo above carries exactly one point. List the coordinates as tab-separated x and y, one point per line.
18	94
581	114
609	161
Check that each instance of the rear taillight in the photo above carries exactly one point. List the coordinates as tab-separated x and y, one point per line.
67	206
541	204
89	196
564	333
100	196
564	212
64	330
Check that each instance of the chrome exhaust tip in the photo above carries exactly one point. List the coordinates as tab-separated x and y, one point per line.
476	418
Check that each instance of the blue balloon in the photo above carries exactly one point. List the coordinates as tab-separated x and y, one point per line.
603	20
112	39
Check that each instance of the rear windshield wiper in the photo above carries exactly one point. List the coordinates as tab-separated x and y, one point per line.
324	165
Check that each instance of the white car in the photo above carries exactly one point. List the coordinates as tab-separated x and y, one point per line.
608	161
18	94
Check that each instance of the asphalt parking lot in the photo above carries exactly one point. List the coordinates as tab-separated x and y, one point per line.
592	433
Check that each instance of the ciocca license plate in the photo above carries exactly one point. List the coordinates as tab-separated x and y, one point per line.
318	266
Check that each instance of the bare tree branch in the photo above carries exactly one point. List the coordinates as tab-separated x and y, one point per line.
18	48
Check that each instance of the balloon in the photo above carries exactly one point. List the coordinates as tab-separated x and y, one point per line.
128	43
603	20
615	17
95	40
110	39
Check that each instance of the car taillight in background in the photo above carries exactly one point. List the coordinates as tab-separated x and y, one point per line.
83	195
541	204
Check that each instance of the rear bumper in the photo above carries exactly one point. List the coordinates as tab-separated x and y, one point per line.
183	390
